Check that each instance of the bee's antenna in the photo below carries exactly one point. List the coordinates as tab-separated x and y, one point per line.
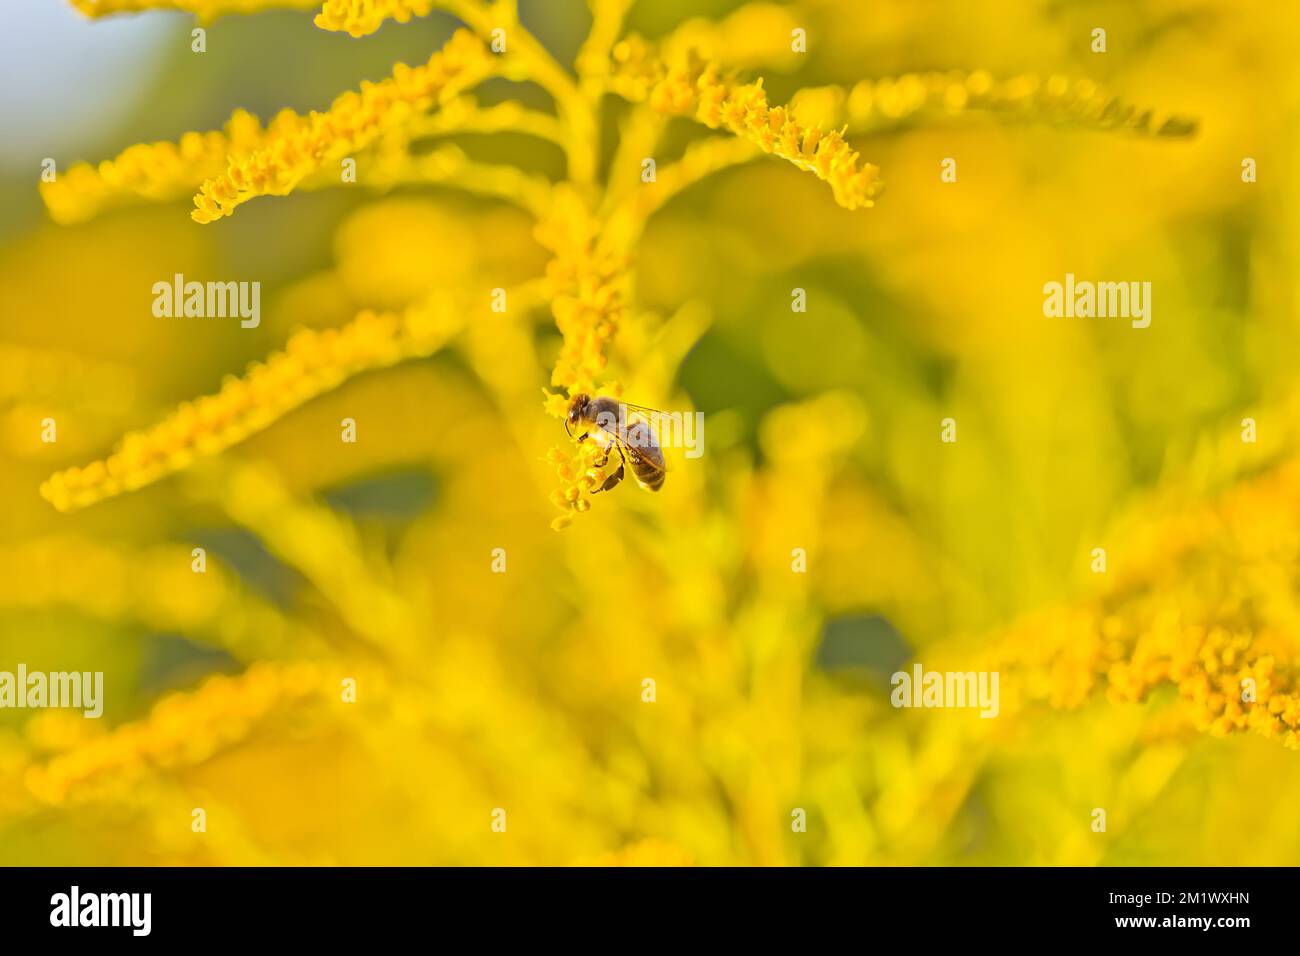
568	428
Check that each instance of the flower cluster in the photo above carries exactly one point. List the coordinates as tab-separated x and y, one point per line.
159	172
353	121
586	284
755	714
1201	609
313	361
697	89
588	279
888	101
182	729
360	18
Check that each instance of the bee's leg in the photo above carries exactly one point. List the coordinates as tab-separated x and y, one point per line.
617	476
611	481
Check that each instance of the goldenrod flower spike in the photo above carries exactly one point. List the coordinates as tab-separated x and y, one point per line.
697	90
205	10
362	17
353	122
892	101
313	362
1173	619
164	171
157	172
587	285
527	59
576	468
182	729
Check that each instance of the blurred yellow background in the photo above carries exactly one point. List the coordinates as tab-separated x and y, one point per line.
479	690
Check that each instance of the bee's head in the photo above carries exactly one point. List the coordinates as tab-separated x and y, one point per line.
577	405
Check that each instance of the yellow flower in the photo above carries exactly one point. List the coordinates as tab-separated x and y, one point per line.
746	727
314	361
588	279
579	477
353	121
182	729
362	17
1176	619
157	172
696	89
586	283
889	101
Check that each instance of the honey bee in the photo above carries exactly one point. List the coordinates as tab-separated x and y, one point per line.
623	428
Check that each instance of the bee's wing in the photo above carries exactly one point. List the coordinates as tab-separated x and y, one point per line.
642	410
639	415
649	418
629	415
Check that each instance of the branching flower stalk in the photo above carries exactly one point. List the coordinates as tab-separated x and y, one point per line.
889	102
1178	621
313	362
182	729
590	228
354	121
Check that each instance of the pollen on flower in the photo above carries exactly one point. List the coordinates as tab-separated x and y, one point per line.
157	172
697	89
353	121
586	284
360	18
579	477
